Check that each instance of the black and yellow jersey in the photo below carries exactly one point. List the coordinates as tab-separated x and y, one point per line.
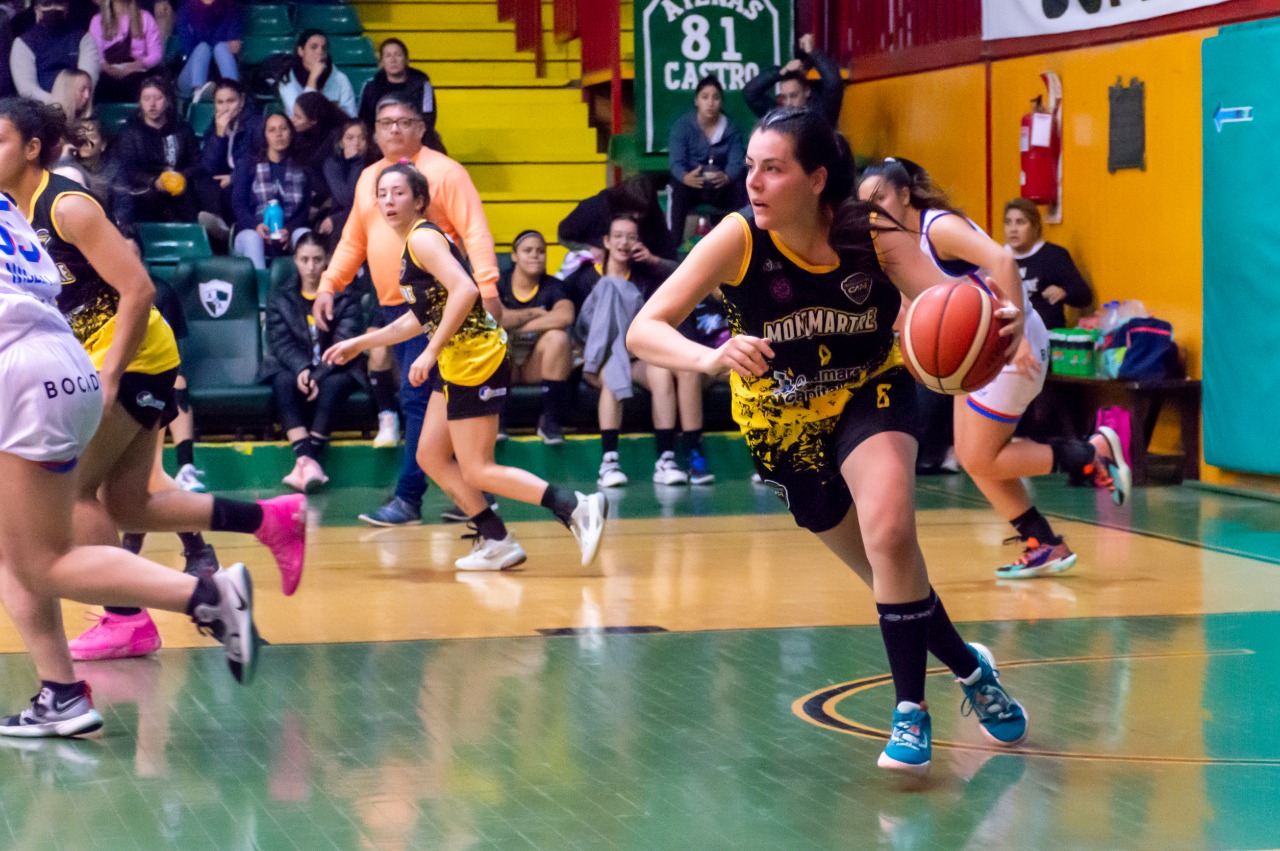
830	327
478	348
87	301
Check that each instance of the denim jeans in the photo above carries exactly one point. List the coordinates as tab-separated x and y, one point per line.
196	72
413	409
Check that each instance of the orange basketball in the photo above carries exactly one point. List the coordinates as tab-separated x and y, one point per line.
951	338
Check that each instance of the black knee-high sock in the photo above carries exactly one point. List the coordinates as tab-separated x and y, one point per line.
1032	524
946	644
230	515
206	594
1073	456
555	400
131	541
186	450
692	439
384	389
561	502
490	525
192	542
905	629
664	440
609	440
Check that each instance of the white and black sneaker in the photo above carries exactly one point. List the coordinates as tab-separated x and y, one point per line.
667	472
230	621
493	555
611	475
49	717
587	524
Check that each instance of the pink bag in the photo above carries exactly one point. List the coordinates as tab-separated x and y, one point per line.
1117	419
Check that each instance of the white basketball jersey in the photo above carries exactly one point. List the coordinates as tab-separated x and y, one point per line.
958	269
29	279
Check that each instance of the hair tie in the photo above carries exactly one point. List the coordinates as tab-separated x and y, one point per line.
524	234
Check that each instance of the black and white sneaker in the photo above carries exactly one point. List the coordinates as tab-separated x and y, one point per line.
49	717
230	621
550	431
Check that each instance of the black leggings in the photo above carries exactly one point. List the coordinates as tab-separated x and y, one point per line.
292	405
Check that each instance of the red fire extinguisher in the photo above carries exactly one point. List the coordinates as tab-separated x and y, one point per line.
1041	149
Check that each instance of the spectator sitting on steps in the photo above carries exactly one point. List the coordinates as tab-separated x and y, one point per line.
795	88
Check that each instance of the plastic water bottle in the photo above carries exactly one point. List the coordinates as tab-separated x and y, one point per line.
1110	322
273	217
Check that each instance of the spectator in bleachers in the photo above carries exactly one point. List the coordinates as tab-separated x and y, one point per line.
79	13
313	71
51	45
155	163
83	160
618	287
341	173
129	41
274	174
230	140
317	126
537	313
589	221
456	209
395	75
6	48
209	32
308	391
708	158
73	91
794	86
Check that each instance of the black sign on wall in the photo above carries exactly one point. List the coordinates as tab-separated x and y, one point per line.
1127	132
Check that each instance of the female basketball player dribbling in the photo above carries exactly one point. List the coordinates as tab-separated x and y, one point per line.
985	419
466	362
106	295
822	398
53	404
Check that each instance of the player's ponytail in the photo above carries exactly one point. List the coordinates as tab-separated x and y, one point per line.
816	145
34	120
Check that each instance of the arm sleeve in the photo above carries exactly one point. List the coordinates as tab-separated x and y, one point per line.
191	163
350	253
345	95
90	60
832	95
759	90
585	224
22	65
461	203
242	197
155	50
678	148
736	167
1067	276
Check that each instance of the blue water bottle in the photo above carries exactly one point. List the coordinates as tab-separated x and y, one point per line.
273	217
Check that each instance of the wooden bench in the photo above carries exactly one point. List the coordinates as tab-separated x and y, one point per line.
1144	401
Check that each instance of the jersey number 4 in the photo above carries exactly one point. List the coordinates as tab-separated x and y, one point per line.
882	395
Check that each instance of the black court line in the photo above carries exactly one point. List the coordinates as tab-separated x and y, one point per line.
606	630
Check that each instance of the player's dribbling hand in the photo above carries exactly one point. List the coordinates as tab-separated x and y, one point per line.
420	371
340	353
747	356
1012	330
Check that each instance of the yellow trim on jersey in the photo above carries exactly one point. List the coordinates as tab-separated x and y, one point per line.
746	258
53	211
158	352
35	196
600	271
311	297
798	260
531	297
408	243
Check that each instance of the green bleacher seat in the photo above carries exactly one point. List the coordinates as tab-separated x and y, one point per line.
352	50
626	152
173	242
358	77
329	19
200	117
223	348
257	48
265	20
113	116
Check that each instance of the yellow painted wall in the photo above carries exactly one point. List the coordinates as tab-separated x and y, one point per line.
1134	234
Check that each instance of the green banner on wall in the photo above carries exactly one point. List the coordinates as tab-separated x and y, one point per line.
678	42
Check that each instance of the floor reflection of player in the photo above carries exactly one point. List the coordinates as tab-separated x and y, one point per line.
54	403
805	261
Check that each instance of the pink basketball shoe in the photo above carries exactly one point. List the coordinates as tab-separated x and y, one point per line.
284	532
116	637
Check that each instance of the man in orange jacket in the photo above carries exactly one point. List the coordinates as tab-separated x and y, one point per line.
455	209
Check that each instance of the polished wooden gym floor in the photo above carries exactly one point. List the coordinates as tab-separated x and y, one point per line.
715	680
